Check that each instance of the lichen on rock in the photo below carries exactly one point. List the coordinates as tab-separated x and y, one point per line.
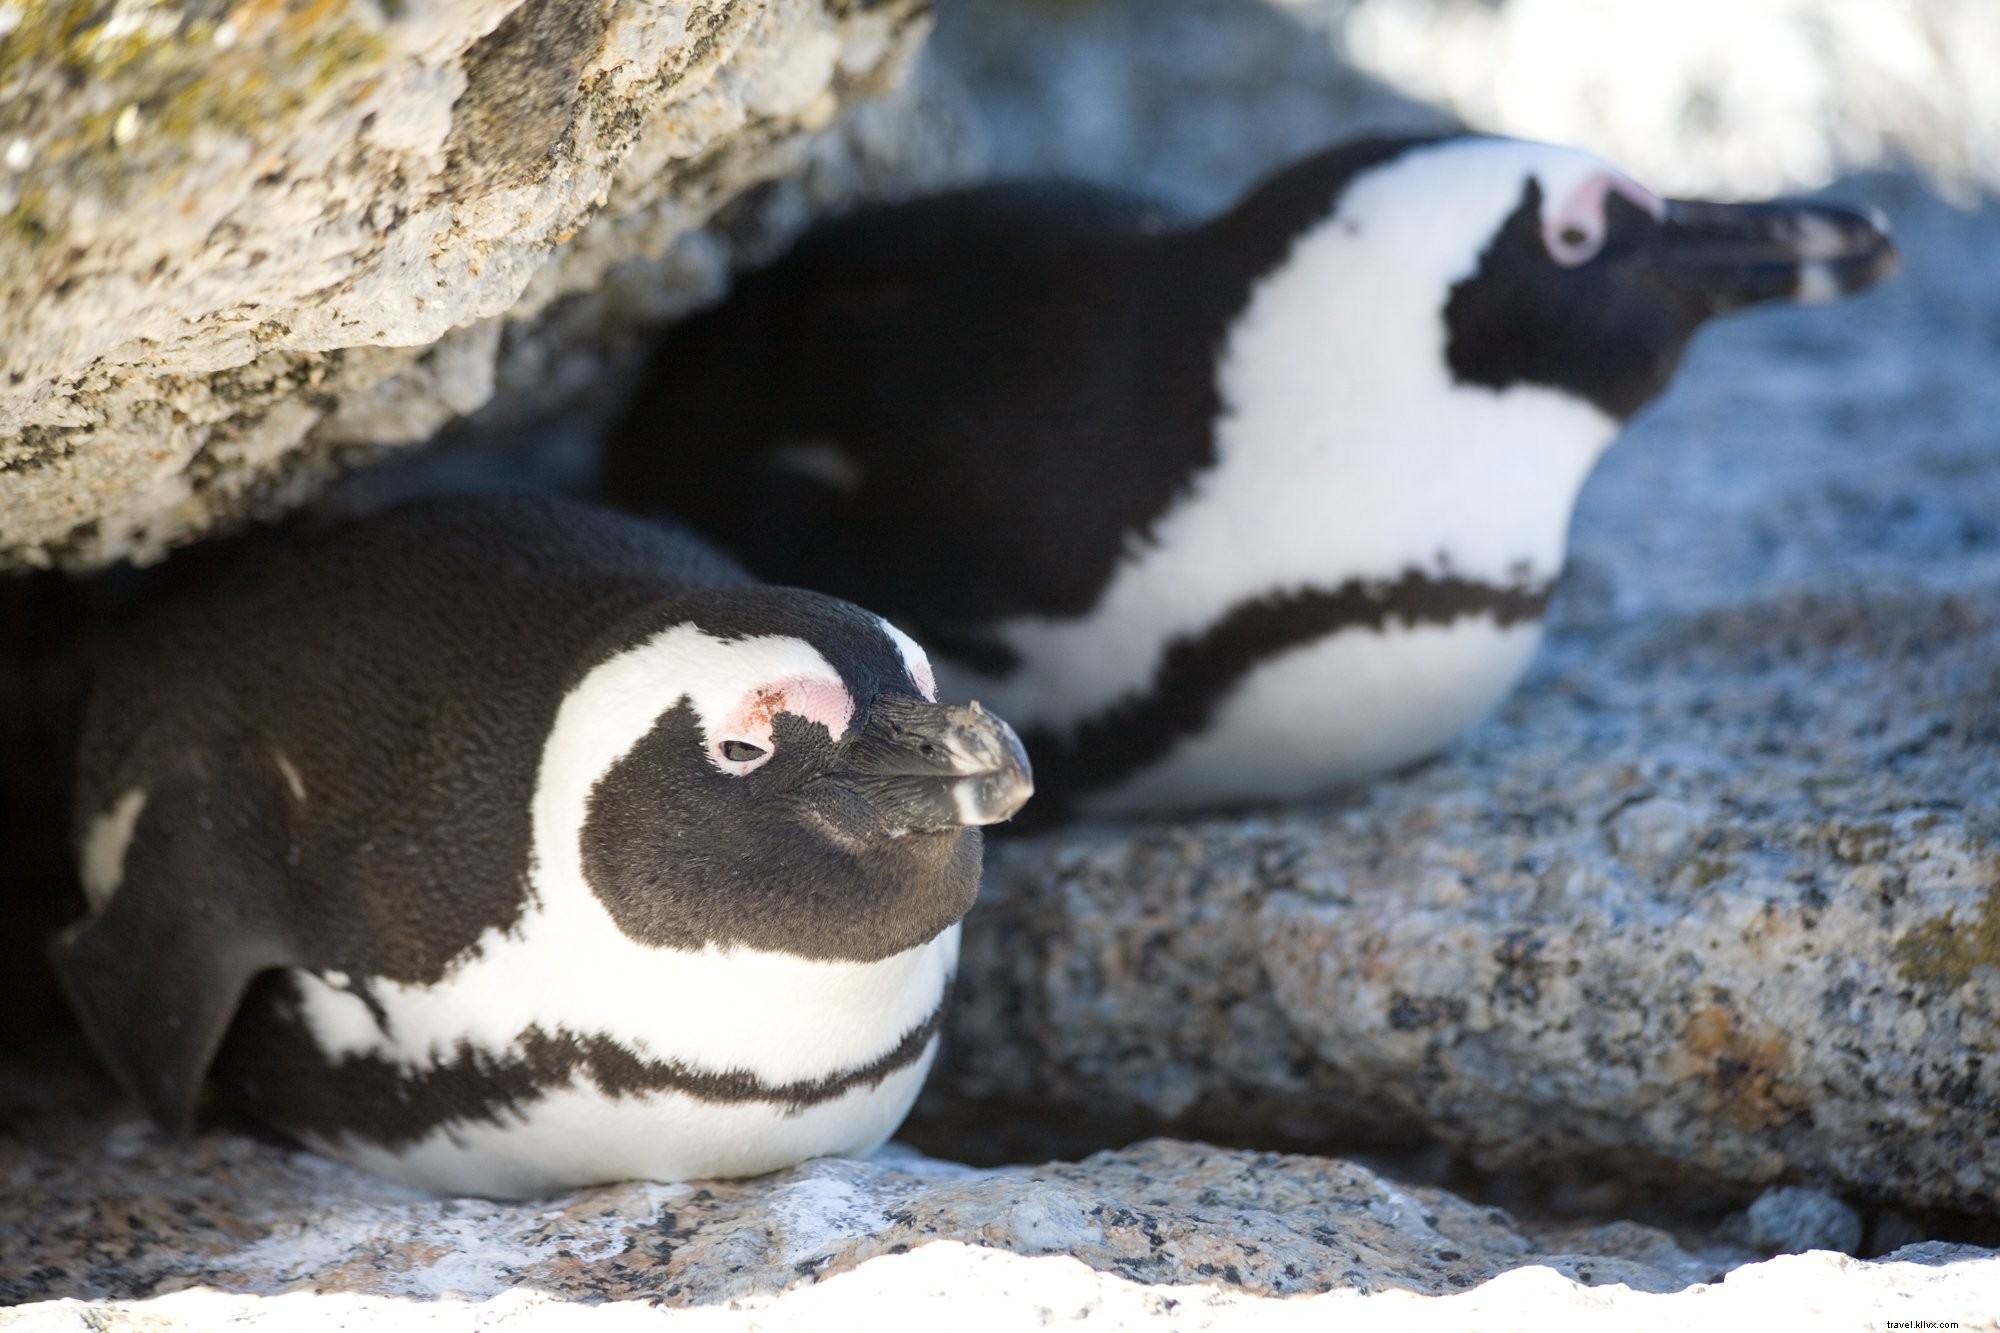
238	242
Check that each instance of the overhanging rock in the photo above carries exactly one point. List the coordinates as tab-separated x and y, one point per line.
238	242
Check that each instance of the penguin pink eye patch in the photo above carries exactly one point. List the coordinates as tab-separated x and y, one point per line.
747	728
1574	230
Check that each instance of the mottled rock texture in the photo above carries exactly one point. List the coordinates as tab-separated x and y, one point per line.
1717	895
242	244
108	1227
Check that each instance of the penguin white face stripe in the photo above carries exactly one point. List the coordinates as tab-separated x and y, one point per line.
914	657
621	700
1573	231
567	966
1413	473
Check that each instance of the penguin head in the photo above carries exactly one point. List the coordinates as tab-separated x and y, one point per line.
1542	265
1592	284
770	768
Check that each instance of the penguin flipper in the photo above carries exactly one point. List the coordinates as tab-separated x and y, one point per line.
157	976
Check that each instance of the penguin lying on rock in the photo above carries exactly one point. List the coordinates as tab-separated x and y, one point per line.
1222	512
503	845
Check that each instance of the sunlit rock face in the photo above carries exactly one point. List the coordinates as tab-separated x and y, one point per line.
1709	97
1716	99
238	245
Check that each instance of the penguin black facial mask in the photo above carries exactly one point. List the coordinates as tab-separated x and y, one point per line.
851	848
1598	293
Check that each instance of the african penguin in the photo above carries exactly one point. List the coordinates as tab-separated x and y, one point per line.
1222	511
504	845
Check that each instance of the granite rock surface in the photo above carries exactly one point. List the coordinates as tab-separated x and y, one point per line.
242	245
110	1227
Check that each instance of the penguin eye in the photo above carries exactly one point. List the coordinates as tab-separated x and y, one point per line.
1573	243
741	752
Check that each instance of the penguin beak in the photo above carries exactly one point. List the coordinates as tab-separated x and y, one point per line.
1731	255
929	768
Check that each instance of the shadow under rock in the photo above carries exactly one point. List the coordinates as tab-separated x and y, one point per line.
41	697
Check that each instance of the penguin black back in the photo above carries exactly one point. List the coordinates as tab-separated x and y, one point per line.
1093	431
275	636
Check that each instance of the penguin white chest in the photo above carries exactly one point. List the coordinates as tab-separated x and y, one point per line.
566	1053
1343	709
1295	627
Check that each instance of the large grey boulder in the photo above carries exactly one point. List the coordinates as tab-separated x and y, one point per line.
1672	912
108	1227
1715	898
240	246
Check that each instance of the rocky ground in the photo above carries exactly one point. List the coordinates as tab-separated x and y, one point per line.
130	1233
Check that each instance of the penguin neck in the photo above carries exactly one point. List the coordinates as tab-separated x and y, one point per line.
1339	424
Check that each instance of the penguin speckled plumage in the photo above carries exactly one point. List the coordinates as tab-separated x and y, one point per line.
504	845
1217	512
